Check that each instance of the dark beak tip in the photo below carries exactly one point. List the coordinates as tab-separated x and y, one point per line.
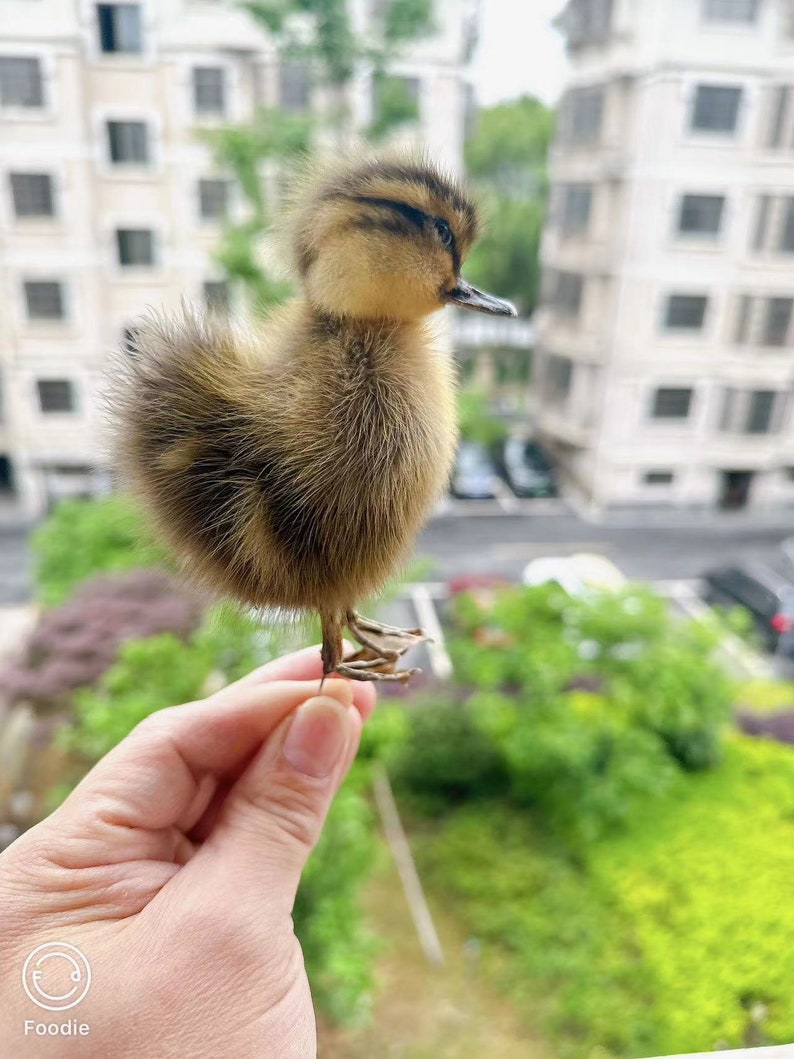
469	297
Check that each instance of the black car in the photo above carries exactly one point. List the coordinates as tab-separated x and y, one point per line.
767	594
474	476
526	468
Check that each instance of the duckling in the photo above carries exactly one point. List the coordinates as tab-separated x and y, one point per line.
292	465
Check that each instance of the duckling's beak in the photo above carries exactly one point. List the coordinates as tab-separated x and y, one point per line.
471	298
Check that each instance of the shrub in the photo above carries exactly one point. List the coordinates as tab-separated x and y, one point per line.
86	537
586	706
74	644
670	936
444	755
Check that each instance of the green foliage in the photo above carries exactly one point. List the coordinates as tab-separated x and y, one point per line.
407	20
506	258
509	146
765	696
328	918
394	105
663	938
506	157
476	421
86	537
444	757
585	708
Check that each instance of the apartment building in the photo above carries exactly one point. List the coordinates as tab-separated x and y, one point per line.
666	336
110	201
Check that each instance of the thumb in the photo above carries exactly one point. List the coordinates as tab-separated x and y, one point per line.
273	816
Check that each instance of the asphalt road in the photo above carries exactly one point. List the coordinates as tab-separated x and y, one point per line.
650	548
486	539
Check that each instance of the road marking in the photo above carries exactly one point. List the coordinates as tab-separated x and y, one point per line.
440	662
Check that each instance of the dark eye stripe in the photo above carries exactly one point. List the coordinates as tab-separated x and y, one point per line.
415	216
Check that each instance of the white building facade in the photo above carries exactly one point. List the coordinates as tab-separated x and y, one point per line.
666	336
110	201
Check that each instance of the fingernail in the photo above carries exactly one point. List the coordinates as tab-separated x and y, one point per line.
317	737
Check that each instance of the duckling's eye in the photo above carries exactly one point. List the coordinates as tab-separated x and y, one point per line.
444	232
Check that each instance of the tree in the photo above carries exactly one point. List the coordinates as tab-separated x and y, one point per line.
506	158
320	34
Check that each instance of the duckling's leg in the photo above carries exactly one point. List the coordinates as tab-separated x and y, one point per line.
382	647
332	624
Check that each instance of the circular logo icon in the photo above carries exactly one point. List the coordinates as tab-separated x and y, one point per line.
56	976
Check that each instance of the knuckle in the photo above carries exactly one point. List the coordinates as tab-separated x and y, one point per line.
292	808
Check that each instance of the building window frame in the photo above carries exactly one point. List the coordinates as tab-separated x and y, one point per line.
671	404
698	109
38	93
676	306
16	193
35	296
730	13
688	205
206	188
58	391
127	243
208	110
114	23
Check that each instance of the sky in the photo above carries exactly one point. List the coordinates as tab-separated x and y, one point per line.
519	51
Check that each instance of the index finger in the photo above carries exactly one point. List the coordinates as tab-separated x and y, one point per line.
306	665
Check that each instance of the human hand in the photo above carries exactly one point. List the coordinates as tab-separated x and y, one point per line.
173	868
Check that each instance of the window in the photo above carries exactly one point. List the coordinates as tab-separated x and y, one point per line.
55	395
730	10
685	312
213	198
581	116
658	477
701	214
32	194
44	300
294	86
774	224
557	377
20	82
759	415
565	292
786	244
777	321
216	296
577	200
753	411
586	22
120	28
716	108
671	403
209	90
135	246
780	116
128	142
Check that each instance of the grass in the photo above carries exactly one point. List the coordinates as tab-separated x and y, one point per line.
673	936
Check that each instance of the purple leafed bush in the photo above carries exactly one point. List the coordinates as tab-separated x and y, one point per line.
779	726
72	645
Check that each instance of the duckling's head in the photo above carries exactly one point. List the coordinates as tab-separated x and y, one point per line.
385	239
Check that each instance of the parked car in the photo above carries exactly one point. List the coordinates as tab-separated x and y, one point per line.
526	468
474	476
762	590
578	574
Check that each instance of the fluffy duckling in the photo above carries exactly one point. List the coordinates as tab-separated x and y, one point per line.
293	466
